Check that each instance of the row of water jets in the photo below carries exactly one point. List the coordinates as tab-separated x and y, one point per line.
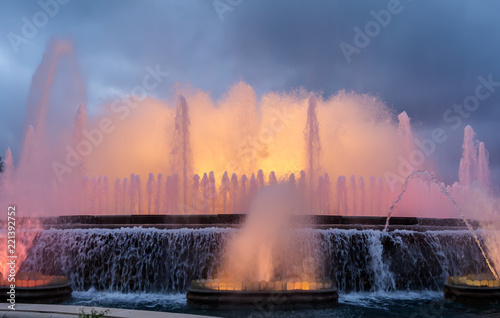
160	195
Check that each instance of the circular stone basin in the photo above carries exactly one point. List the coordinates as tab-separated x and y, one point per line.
473	289
37	288
215	294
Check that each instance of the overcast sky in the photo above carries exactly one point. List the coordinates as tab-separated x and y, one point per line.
427	58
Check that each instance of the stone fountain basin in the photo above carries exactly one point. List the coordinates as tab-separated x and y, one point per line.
37	288
262	300
40	295
473	289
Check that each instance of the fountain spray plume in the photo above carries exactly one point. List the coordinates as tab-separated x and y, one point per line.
313	145
181	148
429	178
267	247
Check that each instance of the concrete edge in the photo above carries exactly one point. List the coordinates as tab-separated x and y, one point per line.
60	311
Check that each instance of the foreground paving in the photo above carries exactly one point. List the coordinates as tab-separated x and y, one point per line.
61	311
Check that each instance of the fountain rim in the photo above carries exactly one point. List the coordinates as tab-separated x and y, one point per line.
261	292
235	299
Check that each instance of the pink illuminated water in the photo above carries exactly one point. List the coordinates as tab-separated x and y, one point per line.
196	156
430	179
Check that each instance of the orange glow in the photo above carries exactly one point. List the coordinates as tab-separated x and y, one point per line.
24	240
278	285
34	280
241	134
262	286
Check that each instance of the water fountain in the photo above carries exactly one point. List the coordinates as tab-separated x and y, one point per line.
192	161
261	262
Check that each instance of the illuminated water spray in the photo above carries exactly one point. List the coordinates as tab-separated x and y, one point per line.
429	178
182	157
313	145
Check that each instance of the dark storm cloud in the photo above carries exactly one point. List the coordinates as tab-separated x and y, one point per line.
425	60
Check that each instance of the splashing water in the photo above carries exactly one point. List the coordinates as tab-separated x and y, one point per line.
429	178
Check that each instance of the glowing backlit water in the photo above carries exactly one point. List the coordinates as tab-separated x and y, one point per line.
344	154
190	154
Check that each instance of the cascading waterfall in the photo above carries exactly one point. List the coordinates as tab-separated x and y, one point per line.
153	260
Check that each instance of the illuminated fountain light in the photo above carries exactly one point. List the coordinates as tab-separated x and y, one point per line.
473	289
37	288
213	293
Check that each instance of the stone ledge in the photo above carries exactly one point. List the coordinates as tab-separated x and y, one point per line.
60	311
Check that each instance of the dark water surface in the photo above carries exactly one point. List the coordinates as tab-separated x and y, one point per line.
357	304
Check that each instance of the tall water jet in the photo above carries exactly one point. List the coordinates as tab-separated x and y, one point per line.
354	196
124	194
405	136
213	190
159	208
224	191
117	196
362	195
342	206
47	99
260	179
372	195
181	154
150	185
233	192
468	163
483	170
313	145
243	193
205	188
272	179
